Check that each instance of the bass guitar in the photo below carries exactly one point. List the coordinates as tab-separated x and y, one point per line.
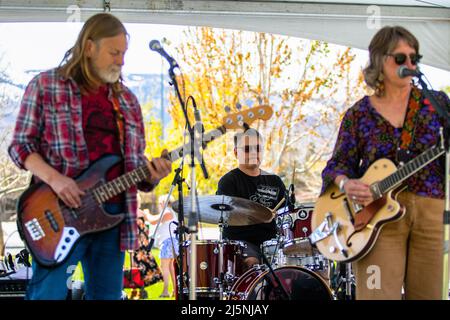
50	229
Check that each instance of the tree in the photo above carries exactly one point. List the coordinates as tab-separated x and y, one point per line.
309	84
12	179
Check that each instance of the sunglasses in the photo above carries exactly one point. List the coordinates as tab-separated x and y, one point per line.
400	58
247	149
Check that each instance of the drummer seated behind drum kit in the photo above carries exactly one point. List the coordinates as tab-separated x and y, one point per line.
290	258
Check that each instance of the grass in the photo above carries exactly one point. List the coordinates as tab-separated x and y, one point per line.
153	291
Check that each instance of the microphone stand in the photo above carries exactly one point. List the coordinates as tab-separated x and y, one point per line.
193	214
445	115
177	180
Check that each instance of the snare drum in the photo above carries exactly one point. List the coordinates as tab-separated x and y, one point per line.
298	282
272	249
296	228
209	268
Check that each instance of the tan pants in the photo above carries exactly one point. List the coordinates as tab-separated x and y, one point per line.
408	254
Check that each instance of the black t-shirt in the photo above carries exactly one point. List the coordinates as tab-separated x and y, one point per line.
266	189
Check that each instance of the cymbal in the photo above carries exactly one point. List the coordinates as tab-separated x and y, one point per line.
235	211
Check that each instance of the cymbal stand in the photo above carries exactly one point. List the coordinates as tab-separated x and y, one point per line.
348	281
221	279
181	229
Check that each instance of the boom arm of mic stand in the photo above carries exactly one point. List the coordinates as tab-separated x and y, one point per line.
177	90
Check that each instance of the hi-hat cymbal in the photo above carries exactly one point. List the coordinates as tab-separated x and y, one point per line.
235	211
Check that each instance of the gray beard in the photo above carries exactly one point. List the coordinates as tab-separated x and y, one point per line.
111	75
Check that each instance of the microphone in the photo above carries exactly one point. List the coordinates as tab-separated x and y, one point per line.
155	45
404	72
199	124
198	120
200	130
291	197
197	116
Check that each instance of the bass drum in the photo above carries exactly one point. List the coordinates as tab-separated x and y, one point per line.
300	284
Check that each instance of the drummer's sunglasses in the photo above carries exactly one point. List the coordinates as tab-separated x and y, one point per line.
256	148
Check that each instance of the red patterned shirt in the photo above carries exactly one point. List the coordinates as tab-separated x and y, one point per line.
50	123
101	132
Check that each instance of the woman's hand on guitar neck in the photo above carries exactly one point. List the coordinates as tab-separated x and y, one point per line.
159	167
67	190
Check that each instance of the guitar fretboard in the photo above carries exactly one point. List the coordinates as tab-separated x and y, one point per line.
132	178
394	180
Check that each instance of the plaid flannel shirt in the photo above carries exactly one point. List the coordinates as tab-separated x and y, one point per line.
50	123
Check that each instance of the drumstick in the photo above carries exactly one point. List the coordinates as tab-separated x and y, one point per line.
278	205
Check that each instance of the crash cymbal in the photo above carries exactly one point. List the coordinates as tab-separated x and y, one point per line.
235	211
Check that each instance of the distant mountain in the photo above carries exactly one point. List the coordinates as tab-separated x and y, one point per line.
151	88
147	88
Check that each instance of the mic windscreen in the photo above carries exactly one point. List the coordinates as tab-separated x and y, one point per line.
401	71
154	45
404	72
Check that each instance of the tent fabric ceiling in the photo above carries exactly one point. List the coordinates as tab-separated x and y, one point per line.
349	23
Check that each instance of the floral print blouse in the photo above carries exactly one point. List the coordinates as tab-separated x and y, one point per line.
365	136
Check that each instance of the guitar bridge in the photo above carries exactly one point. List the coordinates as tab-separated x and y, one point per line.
326	229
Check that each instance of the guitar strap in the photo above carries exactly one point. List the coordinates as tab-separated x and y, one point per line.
409	126
119	121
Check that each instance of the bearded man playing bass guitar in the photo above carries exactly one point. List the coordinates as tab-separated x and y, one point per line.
398	124
69	118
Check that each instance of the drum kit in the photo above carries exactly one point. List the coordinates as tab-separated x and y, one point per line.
291	268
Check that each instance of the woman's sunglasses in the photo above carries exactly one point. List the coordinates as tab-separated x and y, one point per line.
400	58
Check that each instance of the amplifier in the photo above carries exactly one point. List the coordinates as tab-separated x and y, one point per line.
14	285
13	288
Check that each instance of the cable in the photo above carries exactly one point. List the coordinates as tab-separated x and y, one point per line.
6	242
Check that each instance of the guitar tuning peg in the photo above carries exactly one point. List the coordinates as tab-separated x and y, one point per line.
238	106
227	109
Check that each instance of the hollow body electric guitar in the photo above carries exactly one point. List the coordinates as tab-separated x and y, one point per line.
50	229
344	231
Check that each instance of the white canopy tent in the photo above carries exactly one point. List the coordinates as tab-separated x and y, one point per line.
349	23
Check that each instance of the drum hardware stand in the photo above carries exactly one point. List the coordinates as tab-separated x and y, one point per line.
194	139
445	143
348	281
280	240
221	274
279	286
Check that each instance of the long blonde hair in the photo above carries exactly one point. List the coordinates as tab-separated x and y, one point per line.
75	64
